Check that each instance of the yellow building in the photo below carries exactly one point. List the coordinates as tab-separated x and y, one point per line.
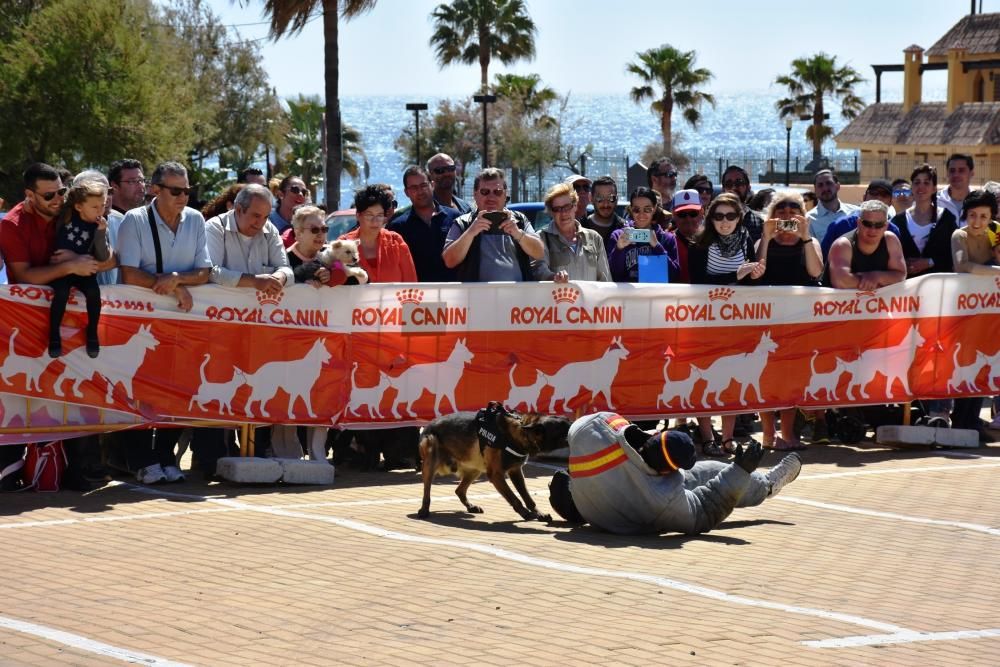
894	138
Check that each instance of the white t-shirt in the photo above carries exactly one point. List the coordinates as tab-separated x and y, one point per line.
920	233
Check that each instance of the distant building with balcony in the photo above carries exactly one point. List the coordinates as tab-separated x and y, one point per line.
894	138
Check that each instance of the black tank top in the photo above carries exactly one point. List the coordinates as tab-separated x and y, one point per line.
862	263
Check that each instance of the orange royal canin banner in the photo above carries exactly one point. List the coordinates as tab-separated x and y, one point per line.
403	354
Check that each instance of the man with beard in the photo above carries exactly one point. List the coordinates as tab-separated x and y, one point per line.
604	220
829	209
424	227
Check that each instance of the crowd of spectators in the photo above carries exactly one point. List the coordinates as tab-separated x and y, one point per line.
264	236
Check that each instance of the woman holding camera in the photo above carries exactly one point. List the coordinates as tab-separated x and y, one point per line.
571	251
642	237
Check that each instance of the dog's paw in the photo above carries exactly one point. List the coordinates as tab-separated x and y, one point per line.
534	515
474	509
362	276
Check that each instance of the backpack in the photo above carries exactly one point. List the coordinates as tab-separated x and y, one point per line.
44	464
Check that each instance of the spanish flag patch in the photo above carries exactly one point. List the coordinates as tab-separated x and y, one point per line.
598	462
616	422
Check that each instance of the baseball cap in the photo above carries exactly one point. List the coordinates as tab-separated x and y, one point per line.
880	184
685	200
572	180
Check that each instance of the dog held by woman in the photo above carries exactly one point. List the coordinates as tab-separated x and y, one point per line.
492	441
627	481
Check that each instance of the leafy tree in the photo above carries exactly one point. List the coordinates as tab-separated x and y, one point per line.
470	31
304	153
678	80
453	129
809	83
79	87
289	17
526	133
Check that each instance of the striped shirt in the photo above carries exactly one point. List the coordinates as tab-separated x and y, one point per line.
719	265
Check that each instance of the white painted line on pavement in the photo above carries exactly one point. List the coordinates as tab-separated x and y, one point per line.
85	644
109	519
890	471
889	515
901	638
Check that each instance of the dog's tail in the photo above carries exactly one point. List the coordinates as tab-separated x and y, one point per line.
201	370
10	343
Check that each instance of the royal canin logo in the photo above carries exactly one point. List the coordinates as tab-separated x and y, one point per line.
410	295
565	294
720	294
265	299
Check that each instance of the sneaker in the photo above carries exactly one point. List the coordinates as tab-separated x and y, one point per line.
173	474
152	474
785	472
820	432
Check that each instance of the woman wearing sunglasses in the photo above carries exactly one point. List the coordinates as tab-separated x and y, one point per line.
723	249
626	248
571	252
384	254
790	257
310	235
292	193
925	229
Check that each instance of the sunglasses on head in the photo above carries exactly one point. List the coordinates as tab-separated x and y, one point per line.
49	196
319	230
176	191
737	183
296	190
496	192
665	174
873	225
444	170
732	216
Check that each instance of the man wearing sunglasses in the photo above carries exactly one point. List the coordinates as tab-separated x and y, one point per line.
604	220
27	243
442	170
879	190
491	243
292	193
870	257
662	177
424	227
736	181
583	186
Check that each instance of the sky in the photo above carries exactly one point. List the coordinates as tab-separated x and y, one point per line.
583	46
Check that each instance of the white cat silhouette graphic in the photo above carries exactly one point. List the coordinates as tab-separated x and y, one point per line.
223	392
14	364
369	397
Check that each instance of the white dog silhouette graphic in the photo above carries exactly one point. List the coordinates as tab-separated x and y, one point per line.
595	375
296	377
440	378
745	369
890	361
118	364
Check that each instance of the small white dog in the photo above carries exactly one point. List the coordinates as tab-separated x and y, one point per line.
342	254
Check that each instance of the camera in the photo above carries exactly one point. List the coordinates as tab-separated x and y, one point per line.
496	218
788	225
638	235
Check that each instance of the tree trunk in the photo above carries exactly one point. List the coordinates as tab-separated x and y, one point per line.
817	126
334	157
668	143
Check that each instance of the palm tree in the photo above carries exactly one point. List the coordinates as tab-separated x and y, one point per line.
470	31
675	74
810	81
289	17
304	157
527	96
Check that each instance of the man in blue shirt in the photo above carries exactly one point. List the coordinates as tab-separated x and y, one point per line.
424	227
879	189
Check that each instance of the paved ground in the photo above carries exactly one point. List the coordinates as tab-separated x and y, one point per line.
873	556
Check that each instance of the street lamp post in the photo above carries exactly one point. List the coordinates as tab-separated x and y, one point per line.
416	108
788	149
485	100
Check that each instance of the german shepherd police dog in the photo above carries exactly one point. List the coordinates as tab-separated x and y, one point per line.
492	441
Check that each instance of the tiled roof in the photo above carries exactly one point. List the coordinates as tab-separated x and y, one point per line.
971	124
978	34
